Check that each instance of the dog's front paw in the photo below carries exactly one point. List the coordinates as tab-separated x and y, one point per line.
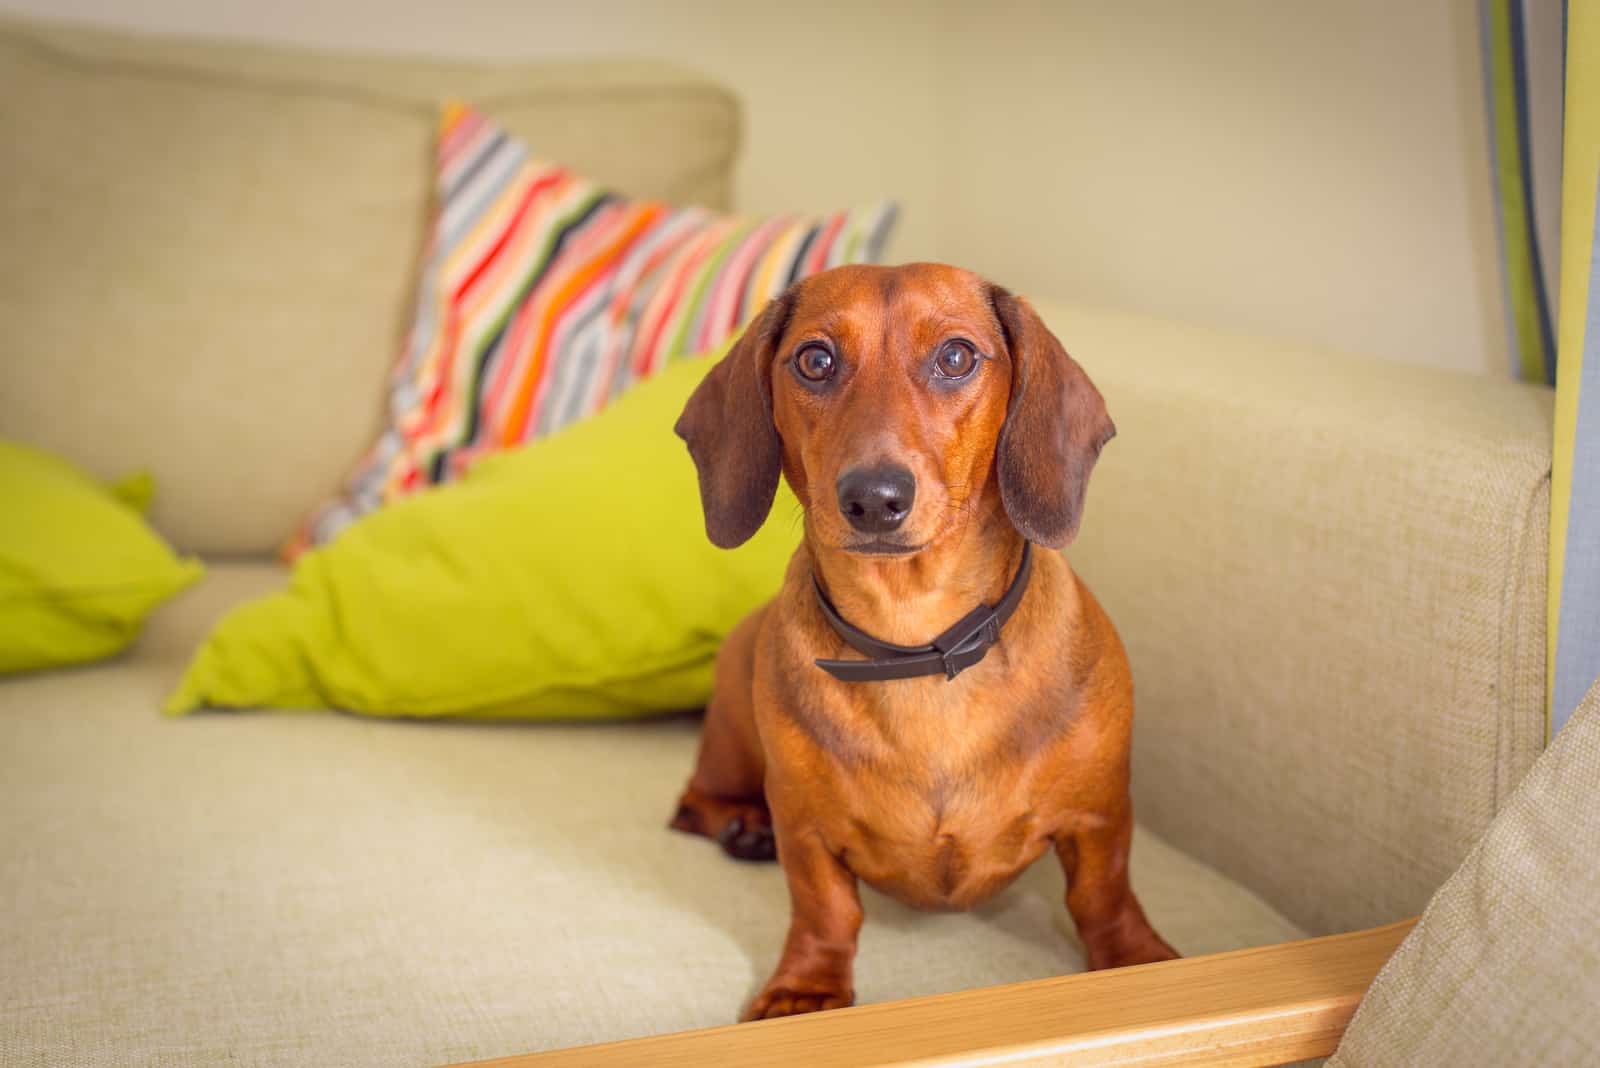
1146	947
792	999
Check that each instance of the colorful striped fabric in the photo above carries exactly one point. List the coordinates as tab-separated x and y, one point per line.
544	296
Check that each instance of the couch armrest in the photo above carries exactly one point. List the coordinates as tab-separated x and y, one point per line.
1262	1006
1330	576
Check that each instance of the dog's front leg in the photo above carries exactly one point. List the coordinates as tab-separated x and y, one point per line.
1110	921
818	964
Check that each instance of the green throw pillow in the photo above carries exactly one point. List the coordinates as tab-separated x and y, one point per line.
79	568
570	578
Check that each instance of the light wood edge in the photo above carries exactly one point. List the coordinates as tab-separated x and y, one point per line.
1263	1006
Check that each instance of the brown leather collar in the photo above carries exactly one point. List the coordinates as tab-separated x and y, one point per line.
949	654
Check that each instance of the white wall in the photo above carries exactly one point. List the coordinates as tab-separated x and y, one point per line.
1317	172
1298	168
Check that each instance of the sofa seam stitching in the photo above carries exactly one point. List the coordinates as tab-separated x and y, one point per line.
1508	735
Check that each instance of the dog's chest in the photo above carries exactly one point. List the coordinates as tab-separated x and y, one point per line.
938	844
945	815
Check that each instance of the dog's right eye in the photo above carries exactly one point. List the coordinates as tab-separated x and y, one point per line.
814	363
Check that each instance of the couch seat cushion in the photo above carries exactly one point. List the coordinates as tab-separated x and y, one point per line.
320	888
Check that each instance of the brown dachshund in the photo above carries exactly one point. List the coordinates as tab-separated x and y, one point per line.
932	427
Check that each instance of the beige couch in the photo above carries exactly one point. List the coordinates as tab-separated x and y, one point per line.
1330	574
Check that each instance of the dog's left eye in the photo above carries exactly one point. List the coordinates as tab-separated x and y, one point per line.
956	359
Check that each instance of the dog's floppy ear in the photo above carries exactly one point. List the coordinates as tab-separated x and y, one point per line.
1055	426
728	427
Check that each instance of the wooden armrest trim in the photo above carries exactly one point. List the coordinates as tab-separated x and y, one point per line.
1260	1006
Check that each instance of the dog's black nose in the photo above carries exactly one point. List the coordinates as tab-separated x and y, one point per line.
877	499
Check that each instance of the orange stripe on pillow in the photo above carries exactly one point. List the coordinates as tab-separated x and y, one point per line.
580	281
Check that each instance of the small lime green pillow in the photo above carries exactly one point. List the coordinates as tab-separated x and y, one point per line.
79	567
570	578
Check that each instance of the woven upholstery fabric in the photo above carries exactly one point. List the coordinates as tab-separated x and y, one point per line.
1330	576
323	889
544	295
210	250
1504	966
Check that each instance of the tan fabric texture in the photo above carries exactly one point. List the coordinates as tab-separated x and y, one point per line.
320	889
1504	967
1330	574
209	249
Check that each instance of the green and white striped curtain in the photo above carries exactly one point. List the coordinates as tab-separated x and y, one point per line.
1574	662
1544	121
1522	57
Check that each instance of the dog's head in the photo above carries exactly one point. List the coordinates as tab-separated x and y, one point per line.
891	398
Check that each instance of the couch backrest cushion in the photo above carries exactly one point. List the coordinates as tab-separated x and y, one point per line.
208	249
1330	575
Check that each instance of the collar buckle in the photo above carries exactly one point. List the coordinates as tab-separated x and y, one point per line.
968	641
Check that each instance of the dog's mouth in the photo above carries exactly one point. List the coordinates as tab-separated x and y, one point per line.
883	547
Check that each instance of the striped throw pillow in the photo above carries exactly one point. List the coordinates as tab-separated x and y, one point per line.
543	296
